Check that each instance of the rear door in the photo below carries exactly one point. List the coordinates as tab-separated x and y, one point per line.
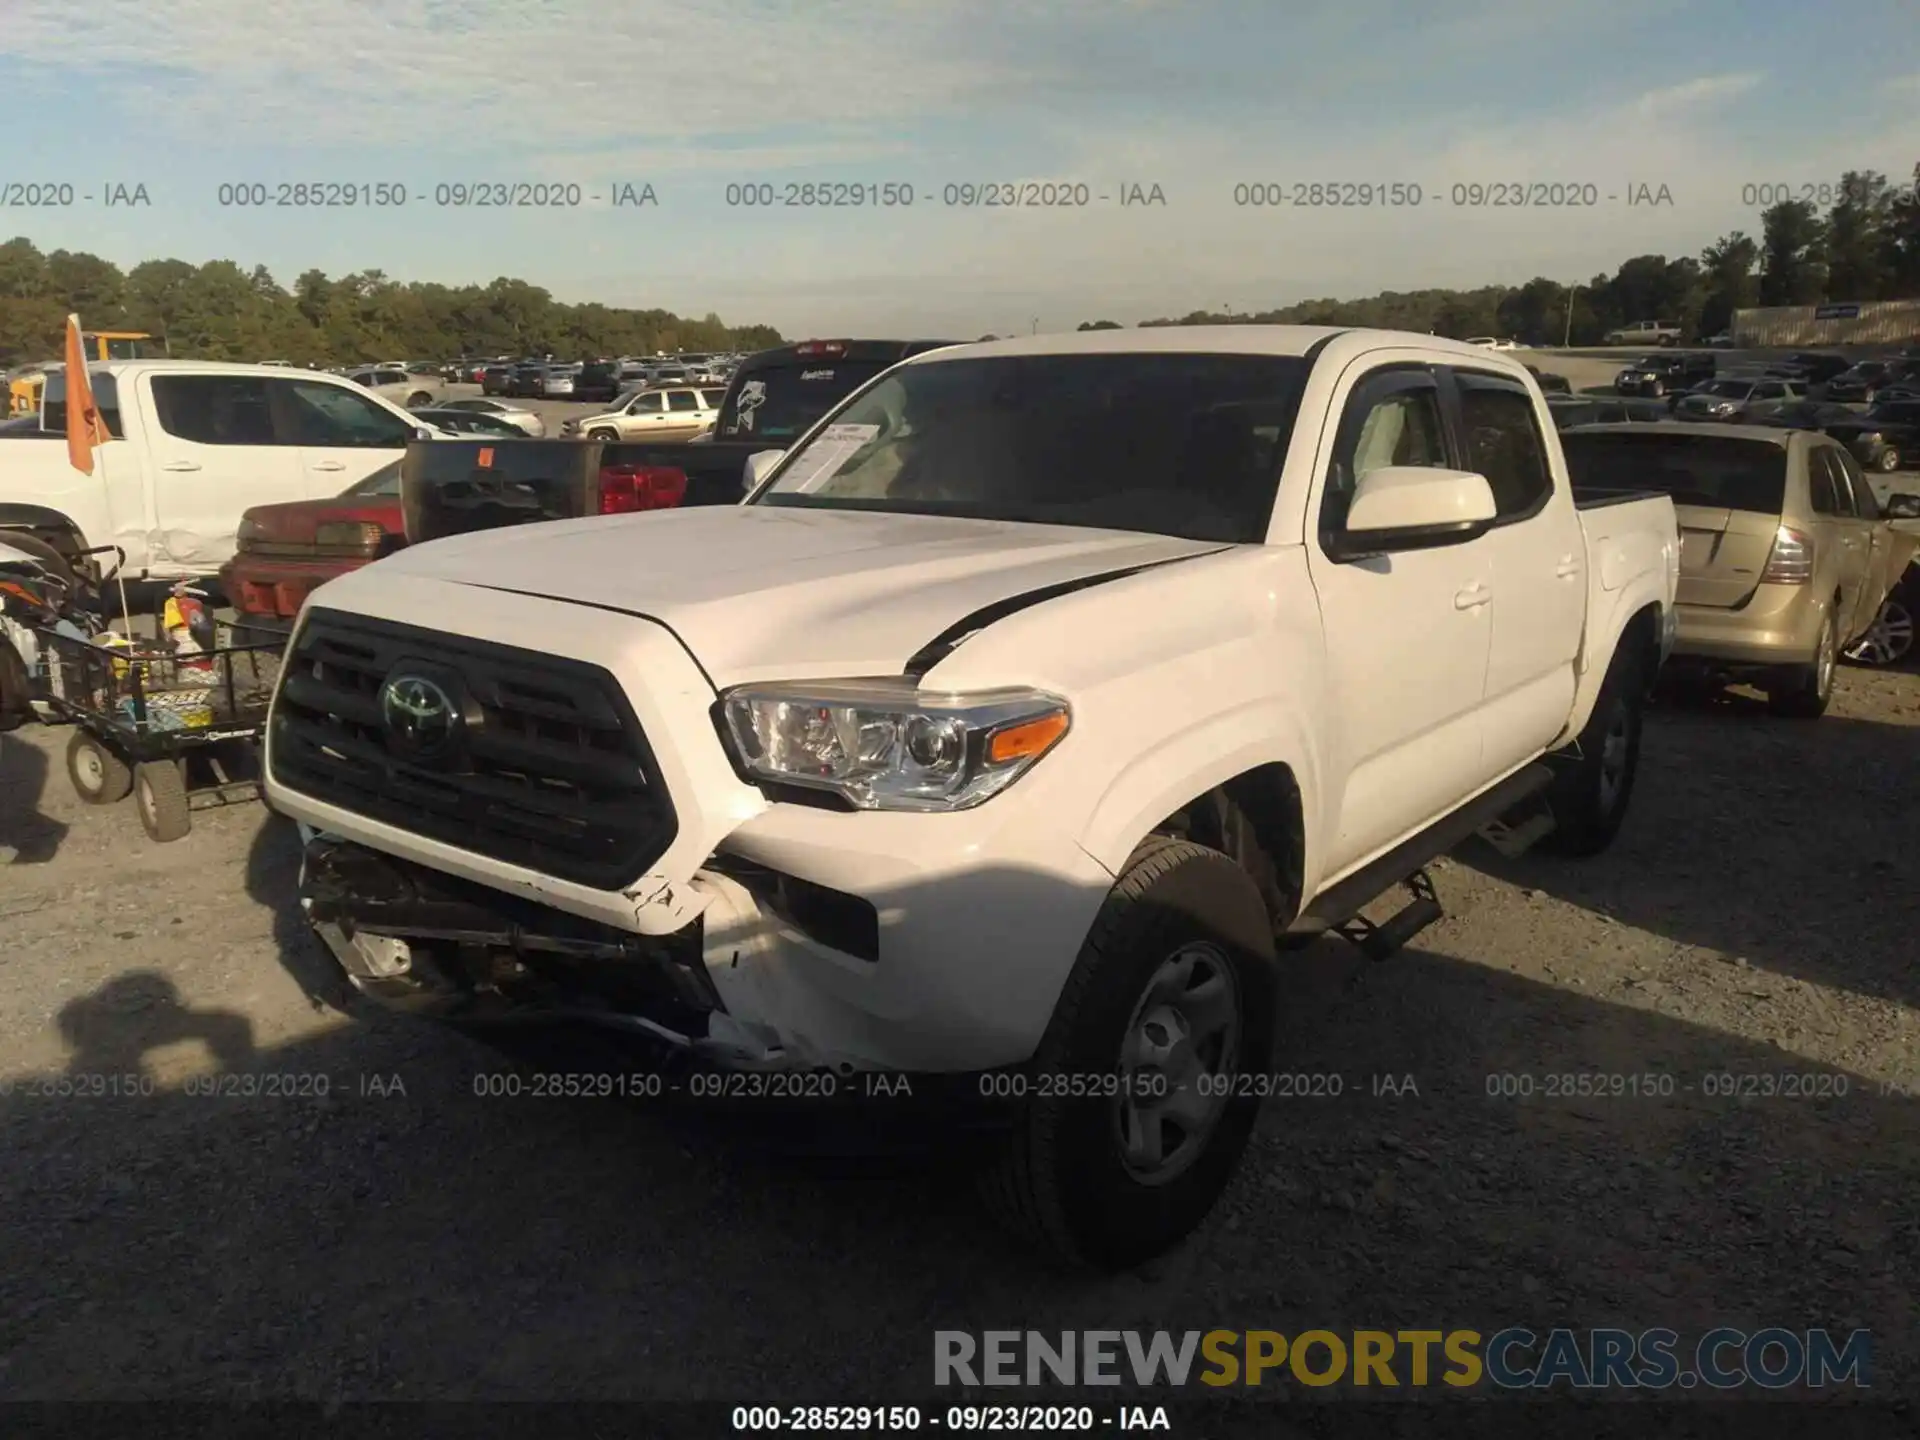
646	417
1865	544
342	435
1537	554
685	415
215	452
1837	531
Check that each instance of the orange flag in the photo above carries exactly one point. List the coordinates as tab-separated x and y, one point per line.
85	427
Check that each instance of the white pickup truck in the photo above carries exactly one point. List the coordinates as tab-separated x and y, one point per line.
1011	727
195	443
1644	332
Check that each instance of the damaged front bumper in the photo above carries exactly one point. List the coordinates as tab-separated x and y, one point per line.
417	940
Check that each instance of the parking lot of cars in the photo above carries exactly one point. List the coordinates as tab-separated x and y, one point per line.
1588	1092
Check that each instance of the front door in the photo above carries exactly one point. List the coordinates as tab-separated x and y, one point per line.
214	453
343	435
1408	635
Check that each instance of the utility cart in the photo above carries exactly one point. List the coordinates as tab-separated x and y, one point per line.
157	724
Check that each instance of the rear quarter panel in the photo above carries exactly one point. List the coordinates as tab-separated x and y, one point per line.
1633	563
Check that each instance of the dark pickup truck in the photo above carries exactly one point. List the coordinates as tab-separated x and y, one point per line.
450	487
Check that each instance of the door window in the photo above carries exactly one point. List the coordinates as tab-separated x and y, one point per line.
332	416
1392	418
1866	504
651	403
1504	444
1825	490
214	409
682	400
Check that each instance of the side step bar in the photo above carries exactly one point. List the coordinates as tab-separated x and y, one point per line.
1343	901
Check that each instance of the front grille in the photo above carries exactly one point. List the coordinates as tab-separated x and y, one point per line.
556	776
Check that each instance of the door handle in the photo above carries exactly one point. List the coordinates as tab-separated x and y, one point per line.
328	465
181	467
1471	598
1567	568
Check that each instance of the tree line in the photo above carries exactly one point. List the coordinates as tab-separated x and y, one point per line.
1865	246
220	311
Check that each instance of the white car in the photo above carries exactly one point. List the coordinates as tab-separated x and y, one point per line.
195	444
529	422
999	746
672	413
1489	342
415	392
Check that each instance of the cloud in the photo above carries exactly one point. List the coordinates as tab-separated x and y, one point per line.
1700	93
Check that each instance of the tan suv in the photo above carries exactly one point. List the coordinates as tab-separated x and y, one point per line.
674	413
1785	556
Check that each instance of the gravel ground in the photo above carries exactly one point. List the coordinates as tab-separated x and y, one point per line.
407	1238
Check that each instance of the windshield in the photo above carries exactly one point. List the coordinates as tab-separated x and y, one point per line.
1711	470
1172	444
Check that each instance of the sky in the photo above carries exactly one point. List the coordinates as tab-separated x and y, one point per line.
1700	112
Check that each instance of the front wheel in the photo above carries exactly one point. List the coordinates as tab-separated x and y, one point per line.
1887	461
1890	640
1168	1005
600	432
1588	798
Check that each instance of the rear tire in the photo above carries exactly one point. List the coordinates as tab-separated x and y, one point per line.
1172	995
1808	691
99	776
160	794
1588	798
1887	461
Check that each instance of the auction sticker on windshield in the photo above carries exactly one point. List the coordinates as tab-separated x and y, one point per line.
822	459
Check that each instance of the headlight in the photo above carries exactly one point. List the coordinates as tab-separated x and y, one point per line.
884	745
250	533
1872	437
349	535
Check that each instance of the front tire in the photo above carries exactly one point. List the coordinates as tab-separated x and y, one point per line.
600	432
1808	690
1890	640
1588	798
1170	1000
99	776
1887	461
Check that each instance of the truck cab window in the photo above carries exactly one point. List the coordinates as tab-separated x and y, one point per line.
214	409
1504	444
319	414
1392	418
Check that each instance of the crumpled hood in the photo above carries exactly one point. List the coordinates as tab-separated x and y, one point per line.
763	592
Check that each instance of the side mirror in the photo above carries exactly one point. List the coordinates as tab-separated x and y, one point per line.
422	432
1902	506
1415	507
758	465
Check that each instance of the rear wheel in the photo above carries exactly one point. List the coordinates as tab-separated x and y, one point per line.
1588	798
417	399
1808	689
160	794
1887	460
1169	1002
99	776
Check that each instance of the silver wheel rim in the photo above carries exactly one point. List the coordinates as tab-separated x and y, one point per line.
1177	1056
1614	748
1889	459
91	773
1890	638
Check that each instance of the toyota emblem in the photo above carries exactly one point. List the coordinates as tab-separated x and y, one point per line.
420	716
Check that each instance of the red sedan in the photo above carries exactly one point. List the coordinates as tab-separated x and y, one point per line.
286	550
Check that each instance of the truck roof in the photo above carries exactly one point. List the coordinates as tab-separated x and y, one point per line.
1197	339
125	369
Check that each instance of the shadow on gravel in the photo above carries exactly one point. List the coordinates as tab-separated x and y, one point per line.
273	881
1792	844
33	837
363	1214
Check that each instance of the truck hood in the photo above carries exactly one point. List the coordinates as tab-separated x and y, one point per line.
762	592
